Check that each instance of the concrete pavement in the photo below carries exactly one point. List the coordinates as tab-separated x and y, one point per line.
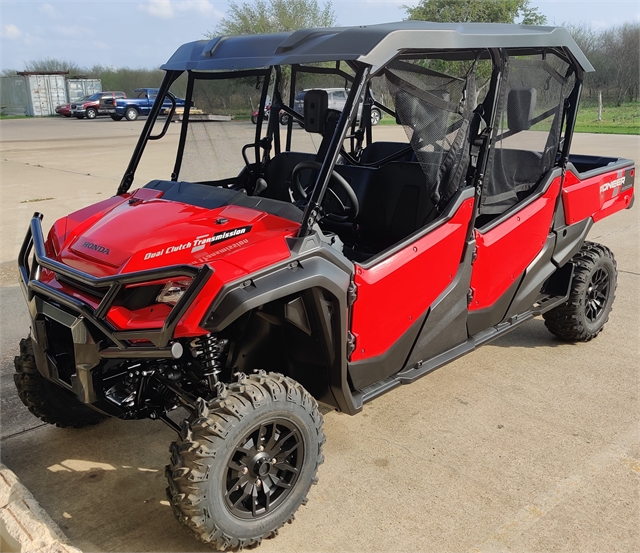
528	444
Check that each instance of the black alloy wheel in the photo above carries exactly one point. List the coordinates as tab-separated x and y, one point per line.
244	462
591	294
264	469
597	294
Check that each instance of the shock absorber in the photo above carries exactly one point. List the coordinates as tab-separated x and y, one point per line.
209	351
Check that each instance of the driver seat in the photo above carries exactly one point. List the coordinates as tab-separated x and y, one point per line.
279	169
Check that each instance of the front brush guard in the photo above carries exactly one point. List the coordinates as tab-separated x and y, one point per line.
44	301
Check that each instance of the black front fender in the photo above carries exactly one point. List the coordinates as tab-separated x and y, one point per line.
319	269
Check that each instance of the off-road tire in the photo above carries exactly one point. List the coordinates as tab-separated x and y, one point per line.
48	402
574	321
201	459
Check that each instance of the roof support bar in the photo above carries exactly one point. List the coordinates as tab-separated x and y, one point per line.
312	211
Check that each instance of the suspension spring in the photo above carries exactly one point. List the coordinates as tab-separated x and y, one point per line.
209	350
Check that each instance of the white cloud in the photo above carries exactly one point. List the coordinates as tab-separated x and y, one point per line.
11	32
158	8
47	9
203	7
166	9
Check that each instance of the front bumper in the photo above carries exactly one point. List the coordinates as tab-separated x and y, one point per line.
85	329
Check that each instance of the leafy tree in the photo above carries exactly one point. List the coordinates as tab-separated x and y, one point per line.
615	56
52	65
272	16
622	49
486	11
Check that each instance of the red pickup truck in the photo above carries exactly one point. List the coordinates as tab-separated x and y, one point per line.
95	104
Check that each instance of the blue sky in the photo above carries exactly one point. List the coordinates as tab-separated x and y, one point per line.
144	33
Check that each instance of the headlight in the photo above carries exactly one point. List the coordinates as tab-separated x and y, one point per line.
173	291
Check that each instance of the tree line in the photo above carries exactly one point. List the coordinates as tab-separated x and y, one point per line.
615	55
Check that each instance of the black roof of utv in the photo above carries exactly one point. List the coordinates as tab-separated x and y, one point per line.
371	44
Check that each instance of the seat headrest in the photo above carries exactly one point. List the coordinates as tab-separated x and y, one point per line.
316	103
521	105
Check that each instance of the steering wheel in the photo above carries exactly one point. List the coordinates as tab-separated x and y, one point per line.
349	212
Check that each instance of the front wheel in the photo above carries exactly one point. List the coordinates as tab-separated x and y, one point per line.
244	464
591	296
375	117
254	119
131	114
91	113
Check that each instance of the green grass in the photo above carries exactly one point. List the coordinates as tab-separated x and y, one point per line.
14	116
624	119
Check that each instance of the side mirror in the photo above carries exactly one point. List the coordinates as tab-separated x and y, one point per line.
316	103
521	105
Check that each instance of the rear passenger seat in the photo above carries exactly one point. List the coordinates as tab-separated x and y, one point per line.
381	150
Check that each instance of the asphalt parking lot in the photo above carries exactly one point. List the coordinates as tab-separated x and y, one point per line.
527	445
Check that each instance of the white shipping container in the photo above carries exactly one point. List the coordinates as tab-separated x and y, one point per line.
78	88
45	93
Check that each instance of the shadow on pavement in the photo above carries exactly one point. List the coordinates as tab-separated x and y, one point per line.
107	481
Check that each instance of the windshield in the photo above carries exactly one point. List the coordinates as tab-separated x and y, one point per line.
219	128
93	97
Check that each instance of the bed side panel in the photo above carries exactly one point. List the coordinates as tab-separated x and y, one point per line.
597	195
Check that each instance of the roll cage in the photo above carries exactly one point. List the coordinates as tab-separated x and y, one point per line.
357	71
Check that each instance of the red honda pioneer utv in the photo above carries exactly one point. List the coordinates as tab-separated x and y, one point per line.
322	265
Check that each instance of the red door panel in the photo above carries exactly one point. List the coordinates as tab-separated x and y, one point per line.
506	250
393	293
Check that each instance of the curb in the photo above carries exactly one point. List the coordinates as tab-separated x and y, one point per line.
25	527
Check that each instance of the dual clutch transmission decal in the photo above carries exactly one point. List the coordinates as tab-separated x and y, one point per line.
200	242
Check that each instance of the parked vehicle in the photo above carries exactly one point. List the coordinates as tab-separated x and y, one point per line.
65	109
132	108
94	105
256	112
336	99
331	274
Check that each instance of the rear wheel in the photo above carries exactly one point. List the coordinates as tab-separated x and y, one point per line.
244	464
131	114
284	119
591	296
254	119
116	117
44	399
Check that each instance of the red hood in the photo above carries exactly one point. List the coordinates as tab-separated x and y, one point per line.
138	234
